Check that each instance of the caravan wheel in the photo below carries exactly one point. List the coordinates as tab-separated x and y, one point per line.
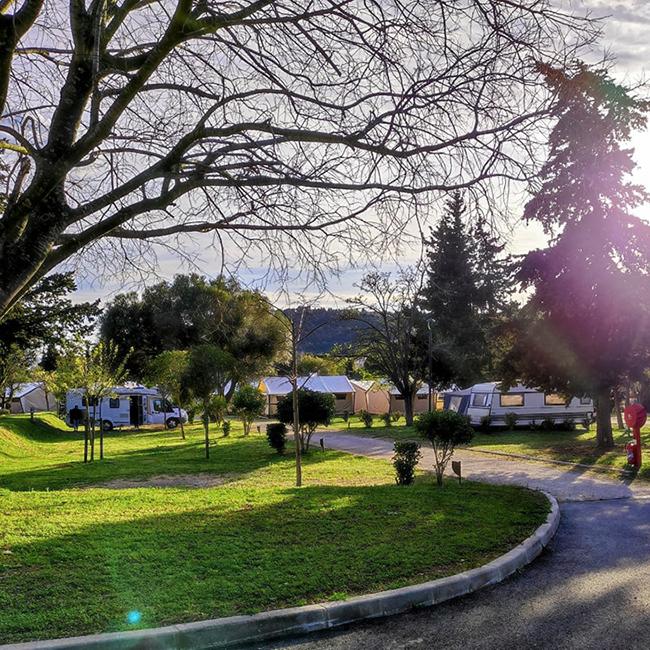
107	425
172	423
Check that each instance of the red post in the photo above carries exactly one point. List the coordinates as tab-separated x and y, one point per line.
635	417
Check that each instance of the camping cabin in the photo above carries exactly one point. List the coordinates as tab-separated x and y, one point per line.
275	388
370	396
26	398
420	403
129	406
486	403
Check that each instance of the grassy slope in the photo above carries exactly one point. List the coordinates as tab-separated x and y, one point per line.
572	446
78	561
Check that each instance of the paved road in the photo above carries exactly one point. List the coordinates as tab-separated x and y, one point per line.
590	589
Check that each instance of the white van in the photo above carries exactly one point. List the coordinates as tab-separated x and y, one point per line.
531	406
130	406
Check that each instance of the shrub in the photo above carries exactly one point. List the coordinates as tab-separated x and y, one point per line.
387	418
346	416
366	418
445	430
5	412
396	415
510	420
533	425
547	424
225	427
567	425
407	455
486	421
248	403
314	409
586	423
276	433
217	408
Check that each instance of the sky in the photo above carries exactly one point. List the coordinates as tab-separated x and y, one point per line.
626	39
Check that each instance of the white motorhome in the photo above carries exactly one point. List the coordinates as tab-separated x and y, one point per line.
531	406
129	406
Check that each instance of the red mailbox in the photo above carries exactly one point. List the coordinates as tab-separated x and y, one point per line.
635	417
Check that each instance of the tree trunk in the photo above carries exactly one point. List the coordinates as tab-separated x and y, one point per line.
101	434
408	409
180	421
620	425
294	401
86	432
604	437
206	425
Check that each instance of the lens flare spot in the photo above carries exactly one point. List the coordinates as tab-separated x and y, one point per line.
134	617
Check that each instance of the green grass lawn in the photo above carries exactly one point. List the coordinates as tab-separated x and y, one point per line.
571	446
77	559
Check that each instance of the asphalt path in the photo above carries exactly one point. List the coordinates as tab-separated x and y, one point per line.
589	589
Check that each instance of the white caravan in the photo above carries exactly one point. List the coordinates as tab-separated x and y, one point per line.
129	406
531	406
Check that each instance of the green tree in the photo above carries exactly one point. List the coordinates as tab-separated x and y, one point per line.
248	403
322	364
314	410
445	430
14	370
207	369
166	371
468	278
93	372
584	329
192	310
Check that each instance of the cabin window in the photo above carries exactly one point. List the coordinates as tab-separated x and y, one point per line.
114	403
555	399
399	397
340	396
423	397
162	406
480	399
511	399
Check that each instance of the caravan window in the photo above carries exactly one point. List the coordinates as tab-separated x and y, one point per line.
454	403
511	399
480	399
114	403
585	400
554	399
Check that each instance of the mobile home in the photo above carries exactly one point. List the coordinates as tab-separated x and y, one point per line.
129	406
530	405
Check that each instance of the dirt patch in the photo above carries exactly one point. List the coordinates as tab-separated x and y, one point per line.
166	480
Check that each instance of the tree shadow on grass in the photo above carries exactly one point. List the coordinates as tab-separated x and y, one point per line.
234	461
81	566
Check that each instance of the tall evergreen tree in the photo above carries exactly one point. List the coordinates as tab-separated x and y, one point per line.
586	324
467	283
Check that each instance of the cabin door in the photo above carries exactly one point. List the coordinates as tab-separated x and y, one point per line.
136	411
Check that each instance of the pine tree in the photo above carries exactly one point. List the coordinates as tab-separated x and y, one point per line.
586	325
467	283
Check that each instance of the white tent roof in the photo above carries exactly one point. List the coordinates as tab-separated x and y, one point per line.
423	390
317	383
24	389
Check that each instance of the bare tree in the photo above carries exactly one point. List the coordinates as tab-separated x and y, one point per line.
255	120
392	327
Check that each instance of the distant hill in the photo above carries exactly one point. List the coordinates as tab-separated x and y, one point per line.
332	329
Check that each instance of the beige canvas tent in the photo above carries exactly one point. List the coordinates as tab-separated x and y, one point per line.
275	388
371	396
26	397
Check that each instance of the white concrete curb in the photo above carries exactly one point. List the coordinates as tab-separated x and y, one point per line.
224	632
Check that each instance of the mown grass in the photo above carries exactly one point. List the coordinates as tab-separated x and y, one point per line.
76	561
577	446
